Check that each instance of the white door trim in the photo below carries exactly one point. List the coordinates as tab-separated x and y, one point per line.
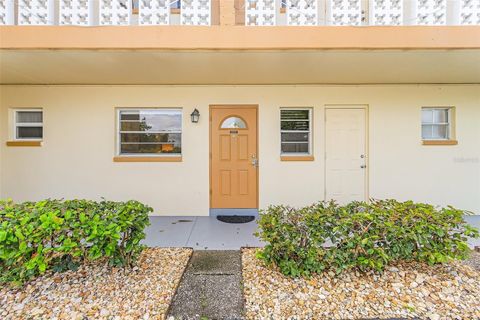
365	107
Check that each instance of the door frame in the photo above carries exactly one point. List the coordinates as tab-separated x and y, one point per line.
364	107
230	106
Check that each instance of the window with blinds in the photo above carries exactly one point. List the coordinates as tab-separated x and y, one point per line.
436	123
28	124
295	131
150	132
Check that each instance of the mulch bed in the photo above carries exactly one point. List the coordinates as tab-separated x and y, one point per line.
97	291
406	290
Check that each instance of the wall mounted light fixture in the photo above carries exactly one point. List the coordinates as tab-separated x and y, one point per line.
195	116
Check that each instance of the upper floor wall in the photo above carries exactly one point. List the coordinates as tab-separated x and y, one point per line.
239	12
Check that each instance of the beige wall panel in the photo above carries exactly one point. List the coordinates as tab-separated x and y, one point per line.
76	159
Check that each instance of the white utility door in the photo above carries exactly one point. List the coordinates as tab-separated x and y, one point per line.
346	154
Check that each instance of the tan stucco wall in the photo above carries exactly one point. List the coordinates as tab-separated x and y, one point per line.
79	144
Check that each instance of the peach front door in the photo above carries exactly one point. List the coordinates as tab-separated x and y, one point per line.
233	157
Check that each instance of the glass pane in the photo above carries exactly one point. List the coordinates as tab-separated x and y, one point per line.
295	125
294	114
294	147
440	132
152	120
440	116
151	137
151	143
294	137
29	117
427	115
149	148
29	132
427	132
233	122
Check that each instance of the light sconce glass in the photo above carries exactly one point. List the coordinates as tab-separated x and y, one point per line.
195	116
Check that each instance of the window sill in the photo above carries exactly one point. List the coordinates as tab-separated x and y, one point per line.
147	159
26	143
297	158
439	142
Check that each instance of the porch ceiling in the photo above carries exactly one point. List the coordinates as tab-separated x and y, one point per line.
239	66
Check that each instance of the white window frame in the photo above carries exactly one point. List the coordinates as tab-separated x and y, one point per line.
119	132
310	132
449	123
26	124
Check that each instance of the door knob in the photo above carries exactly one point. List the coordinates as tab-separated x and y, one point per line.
363	166
254	161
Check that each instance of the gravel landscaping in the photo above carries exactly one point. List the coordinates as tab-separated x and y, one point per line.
406	290
97	291
474	260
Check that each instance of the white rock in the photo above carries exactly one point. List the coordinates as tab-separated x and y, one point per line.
433	316
36	311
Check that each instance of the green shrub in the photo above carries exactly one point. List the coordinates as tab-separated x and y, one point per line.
366	236
56	234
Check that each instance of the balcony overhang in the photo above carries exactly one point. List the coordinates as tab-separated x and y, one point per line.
203	67
239	55
239	38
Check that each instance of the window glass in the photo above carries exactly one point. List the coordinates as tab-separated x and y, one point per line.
295	131
233	122
29	132
150	131
436	123
28	124
29	117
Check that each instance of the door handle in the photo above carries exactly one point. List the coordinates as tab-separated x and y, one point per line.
363	166
254	161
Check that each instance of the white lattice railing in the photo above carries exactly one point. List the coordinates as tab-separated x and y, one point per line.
154	12
386	12
196	12
260	12
35	12
431	12
7	9
257	12
76	12
470	12
302	12
361	12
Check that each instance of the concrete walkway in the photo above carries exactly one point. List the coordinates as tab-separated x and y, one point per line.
207	233
200	233
211	287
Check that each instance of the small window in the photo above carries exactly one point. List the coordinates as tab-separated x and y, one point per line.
295	131
233	123
150	132
436	123
28	124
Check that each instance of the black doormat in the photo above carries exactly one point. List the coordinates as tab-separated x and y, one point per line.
236	219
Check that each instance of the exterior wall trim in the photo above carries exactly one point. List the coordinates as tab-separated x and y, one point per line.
26	143
439	142
240	37
297	158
